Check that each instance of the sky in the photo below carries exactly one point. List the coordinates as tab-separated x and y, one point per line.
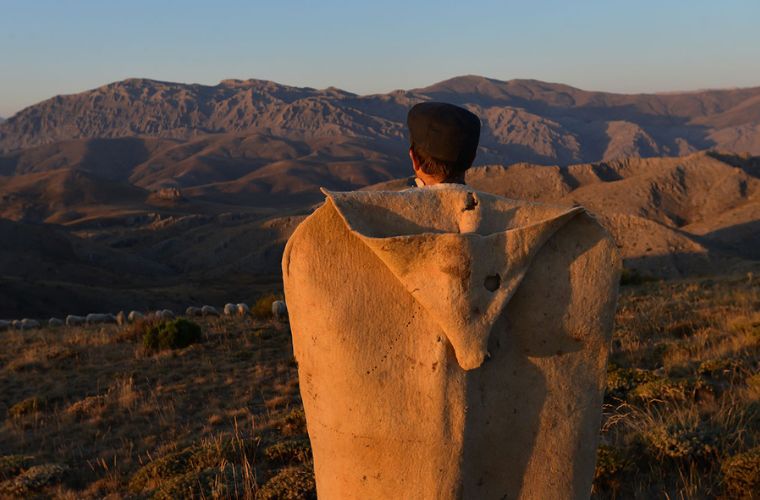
51	47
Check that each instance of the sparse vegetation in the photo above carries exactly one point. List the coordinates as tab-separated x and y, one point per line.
26	407
741	473
292	483
224	419
172	334
682	410
262	308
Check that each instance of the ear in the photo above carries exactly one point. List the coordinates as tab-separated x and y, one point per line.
415	161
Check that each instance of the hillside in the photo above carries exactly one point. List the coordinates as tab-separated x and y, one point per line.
136	247
697	214
88	412
524	120
201	185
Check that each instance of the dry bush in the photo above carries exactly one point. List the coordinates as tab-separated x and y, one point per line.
136	331
27	406
741	474
262	308
292	451
292	483
171	334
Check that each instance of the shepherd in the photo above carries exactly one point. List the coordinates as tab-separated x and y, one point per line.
450	343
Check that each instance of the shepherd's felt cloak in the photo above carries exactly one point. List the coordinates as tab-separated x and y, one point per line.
451	343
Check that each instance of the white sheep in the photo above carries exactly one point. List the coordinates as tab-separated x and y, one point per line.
15	324
99	319
209	311
72	320
230	309
29	324
134	316
279	309
164	314
55	322
193	311
243	310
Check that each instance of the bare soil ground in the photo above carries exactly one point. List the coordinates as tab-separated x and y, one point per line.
87	412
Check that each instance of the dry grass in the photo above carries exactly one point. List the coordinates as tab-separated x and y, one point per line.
682	399
87	412
94	401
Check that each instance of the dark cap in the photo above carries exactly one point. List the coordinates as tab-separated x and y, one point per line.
444	131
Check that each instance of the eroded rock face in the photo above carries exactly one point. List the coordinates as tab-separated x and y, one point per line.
451	343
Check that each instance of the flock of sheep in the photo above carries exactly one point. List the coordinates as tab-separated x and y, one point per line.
279	312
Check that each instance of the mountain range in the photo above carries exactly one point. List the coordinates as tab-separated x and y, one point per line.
524	120
150	194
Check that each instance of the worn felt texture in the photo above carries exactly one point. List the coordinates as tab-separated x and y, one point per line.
451	343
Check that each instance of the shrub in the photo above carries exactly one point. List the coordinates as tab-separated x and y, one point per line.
718	366
746	325
741	474
676	441
136	331
33	479
296	451
660	390
262	308
179	463
292	483
26	407
293	423
198	468
212	482
172	334
611	467
12	465
622	380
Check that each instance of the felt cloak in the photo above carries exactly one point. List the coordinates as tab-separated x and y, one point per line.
451	343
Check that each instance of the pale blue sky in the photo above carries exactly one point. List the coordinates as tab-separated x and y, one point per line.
50	47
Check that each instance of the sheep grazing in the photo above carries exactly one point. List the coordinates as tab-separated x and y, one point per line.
4	325
279	309
72	320
134	316
193	311
28	324
243	310
100	319
164	314
55	322
121	318
230	309
209	311
15	324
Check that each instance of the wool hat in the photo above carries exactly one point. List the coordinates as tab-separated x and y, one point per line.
444	131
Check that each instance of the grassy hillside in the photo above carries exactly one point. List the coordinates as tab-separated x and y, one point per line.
88	412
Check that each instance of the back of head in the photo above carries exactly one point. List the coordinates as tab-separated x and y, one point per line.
444	138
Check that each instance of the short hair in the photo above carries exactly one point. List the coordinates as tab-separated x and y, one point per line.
445	170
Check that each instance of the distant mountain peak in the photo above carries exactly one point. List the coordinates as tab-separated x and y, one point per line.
524	119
